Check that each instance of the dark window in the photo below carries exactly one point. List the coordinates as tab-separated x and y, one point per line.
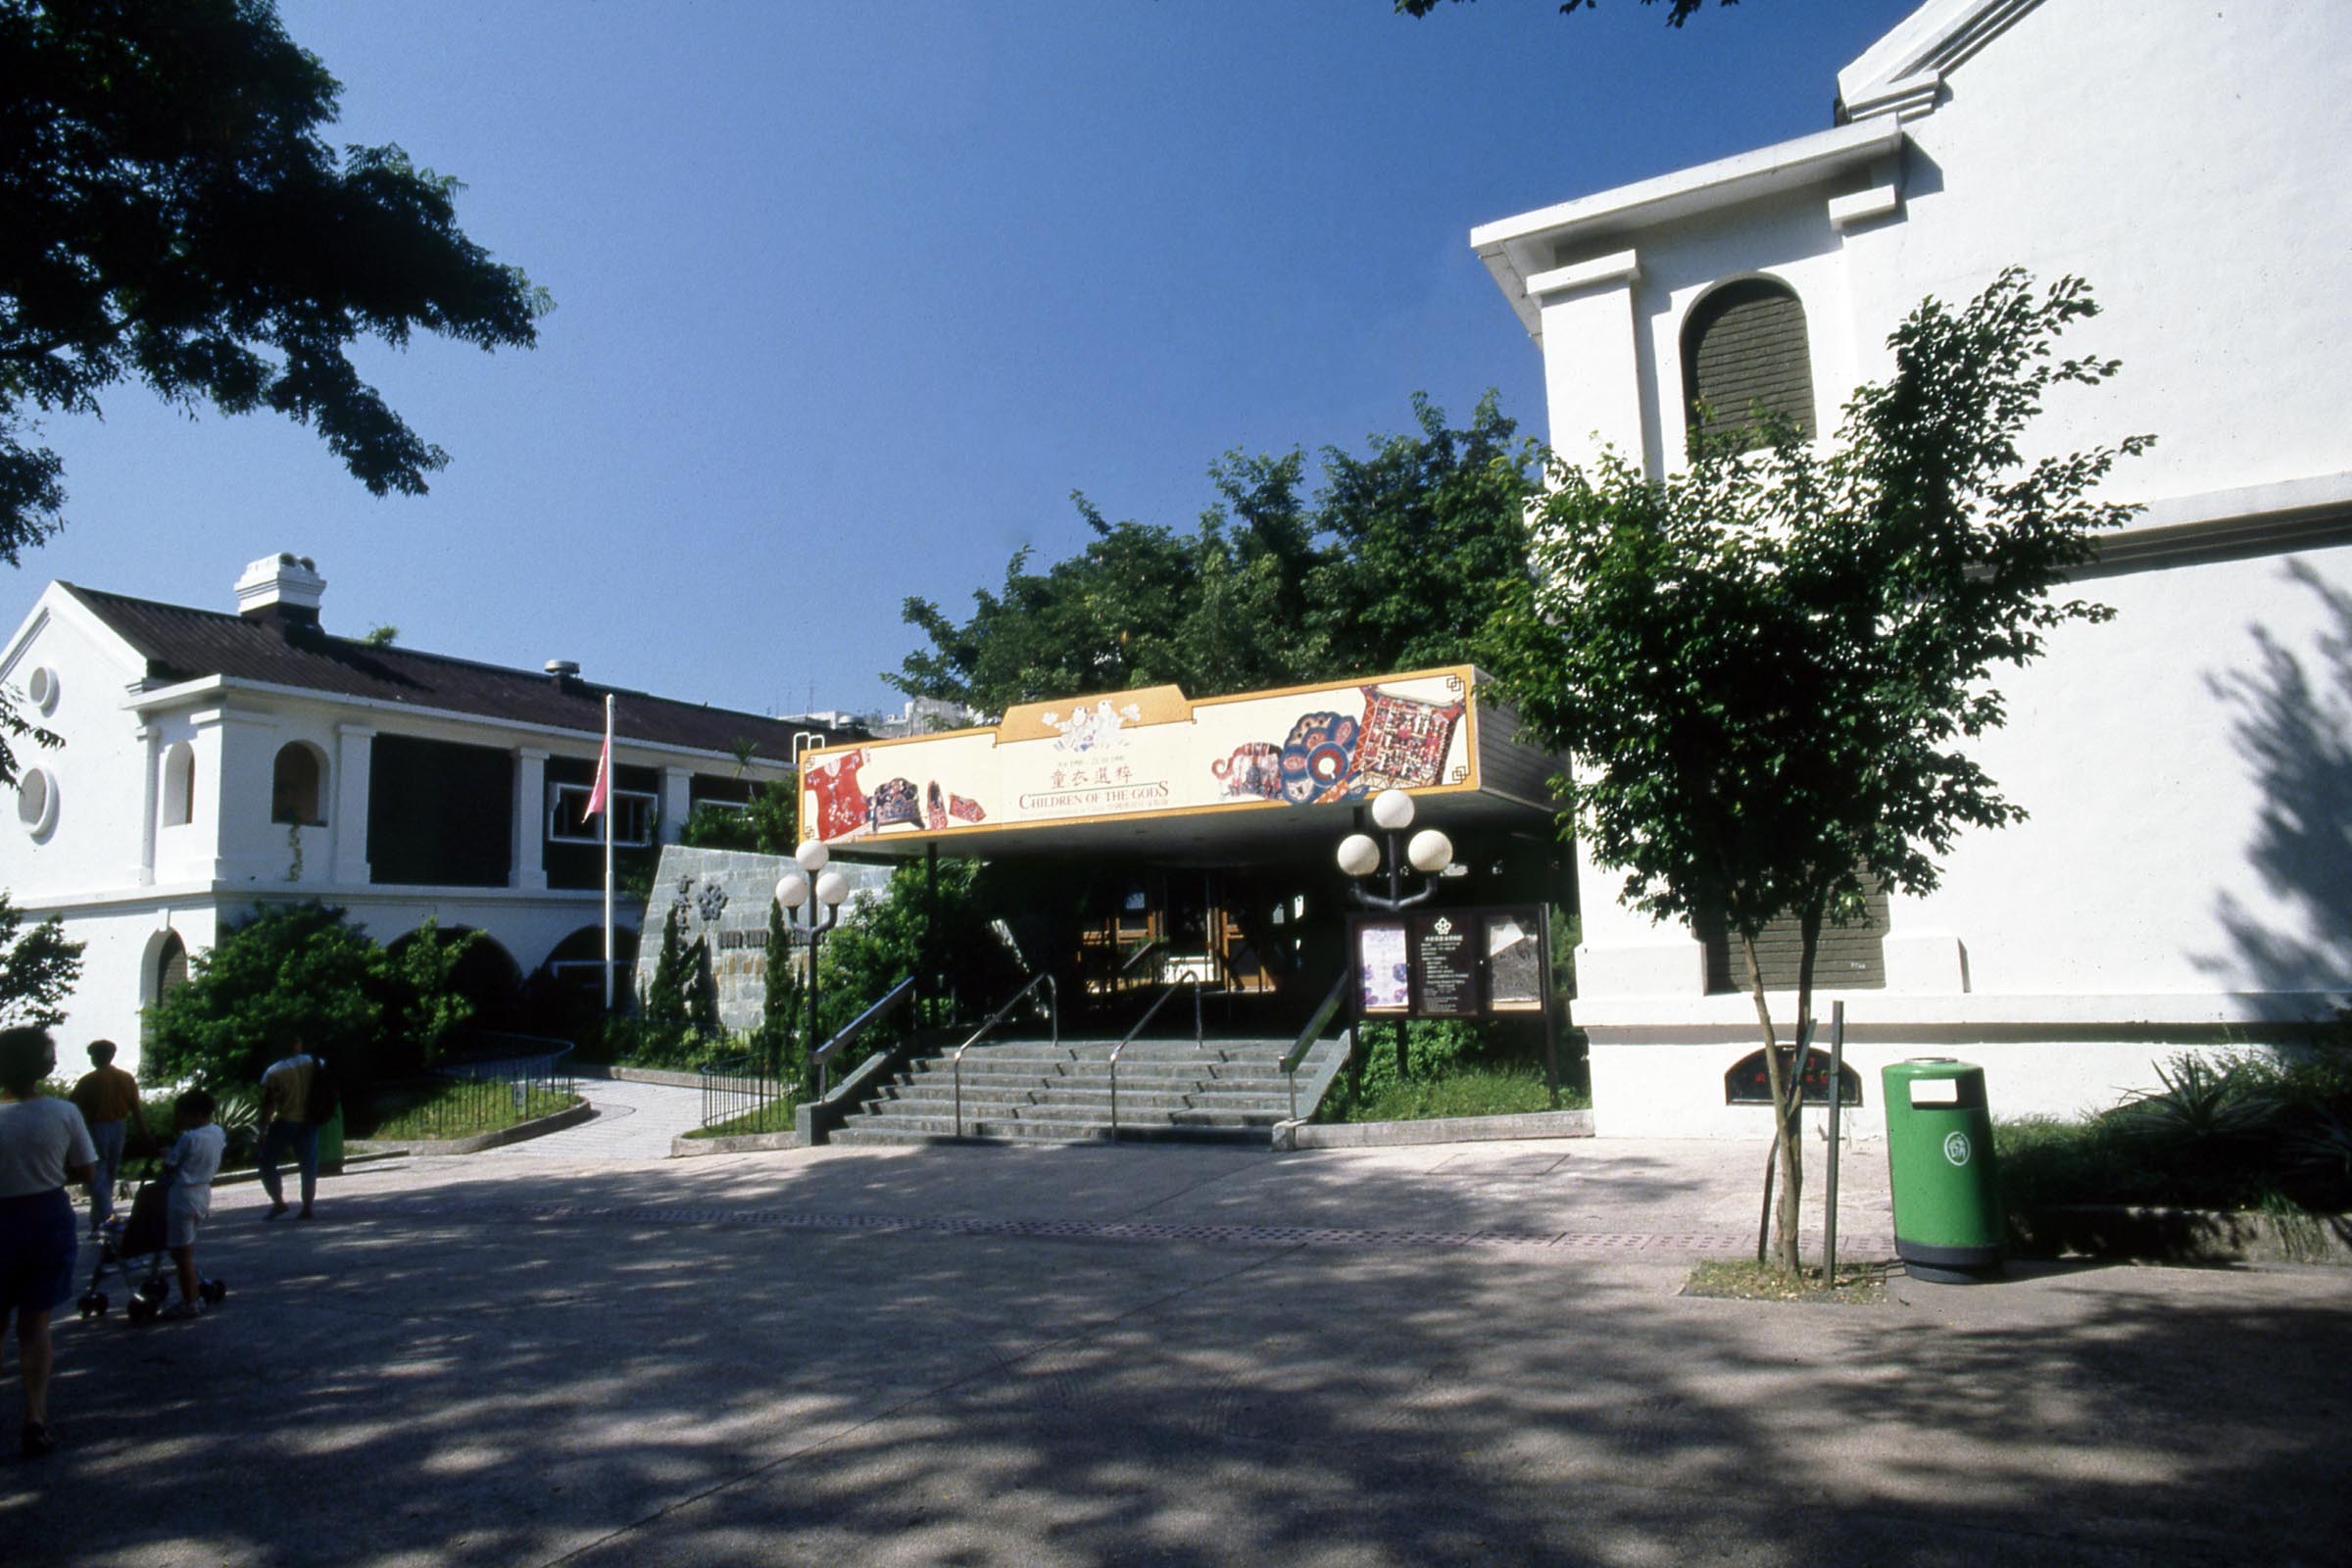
295	785
1744	360
634	815
170	966
574	858
439	814
1851	957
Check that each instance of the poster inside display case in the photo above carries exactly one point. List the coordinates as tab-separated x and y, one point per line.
1480	963
1384	976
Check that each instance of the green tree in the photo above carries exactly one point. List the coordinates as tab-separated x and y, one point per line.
665	994
171	213
1388	566
770	825
781	1001
306	965
37	968
1768	666
424	1007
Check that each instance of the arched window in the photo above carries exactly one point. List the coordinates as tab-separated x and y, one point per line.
297	785
1745	361
179	784
170	966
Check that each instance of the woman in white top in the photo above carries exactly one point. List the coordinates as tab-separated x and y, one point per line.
44	1144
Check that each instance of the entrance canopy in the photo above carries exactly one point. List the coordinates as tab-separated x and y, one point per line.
1260	778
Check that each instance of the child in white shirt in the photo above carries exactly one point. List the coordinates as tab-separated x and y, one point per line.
192	1163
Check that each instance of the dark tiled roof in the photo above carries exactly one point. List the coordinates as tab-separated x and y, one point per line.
180	643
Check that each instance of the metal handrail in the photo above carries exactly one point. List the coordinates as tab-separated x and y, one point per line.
824	1054
1052	1018
1308	1035
1150	1012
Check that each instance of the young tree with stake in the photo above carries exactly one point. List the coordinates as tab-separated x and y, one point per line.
1767	667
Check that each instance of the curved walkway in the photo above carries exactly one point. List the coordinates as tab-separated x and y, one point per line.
633	1122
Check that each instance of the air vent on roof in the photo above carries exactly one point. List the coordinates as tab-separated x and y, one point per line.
562	672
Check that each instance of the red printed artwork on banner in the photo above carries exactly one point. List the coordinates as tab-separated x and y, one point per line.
840	803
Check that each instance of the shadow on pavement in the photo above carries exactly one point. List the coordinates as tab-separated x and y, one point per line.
392	1386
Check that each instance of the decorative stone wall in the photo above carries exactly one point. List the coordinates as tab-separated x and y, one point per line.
724	897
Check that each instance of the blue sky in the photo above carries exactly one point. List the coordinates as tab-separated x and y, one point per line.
851	296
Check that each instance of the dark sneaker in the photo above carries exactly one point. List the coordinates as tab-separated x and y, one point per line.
277	1210
38	1438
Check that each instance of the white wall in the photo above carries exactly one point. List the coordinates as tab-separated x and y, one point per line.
2187	766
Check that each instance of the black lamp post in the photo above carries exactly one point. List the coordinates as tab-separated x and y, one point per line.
795	891
1362	857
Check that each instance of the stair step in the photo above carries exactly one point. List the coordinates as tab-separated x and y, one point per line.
1040	1092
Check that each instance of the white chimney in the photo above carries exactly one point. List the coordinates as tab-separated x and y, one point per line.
284	588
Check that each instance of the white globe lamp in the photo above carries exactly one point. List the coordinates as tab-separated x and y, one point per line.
1359	855
1430	851
1393	809
833	886
812	855
791	889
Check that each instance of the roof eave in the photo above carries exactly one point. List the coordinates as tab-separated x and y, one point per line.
1517	248
186	693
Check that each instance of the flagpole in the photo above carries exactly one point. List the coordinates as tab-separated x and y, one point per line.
607	855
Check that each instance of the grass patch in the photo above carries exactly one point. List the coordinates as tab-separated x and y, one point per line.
1858	1284
1462	1091
776	1117
455	1107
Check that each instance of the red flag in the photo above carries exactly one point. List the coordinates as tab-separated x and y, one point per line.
600	796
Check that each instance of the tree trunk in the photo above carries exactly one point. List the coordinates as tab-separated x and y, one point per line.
1786	1088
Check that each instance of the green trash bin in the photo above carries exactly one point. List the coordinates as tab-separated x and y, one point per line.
1948	1197
330	1142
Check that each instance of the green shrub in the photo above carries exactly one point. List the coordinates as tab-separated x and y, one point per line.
1453	1068
2239	1130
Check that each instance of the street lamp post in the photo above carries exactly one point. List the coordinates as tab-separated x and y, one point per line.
1362	857
795	891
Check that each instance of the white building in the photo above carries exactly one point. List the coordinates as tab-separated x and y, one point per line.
2185	877
214	761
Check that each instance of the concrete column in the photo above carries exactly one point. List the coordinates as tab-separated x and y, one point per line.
355	762
677	799
233	795
151	803
527	870
1593	377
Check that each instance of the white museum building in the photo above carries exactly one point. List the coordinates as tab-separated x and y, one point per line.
213	761
2184	879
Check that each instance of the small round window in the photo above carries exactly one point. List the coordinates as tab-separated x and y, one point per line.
36	801
42	687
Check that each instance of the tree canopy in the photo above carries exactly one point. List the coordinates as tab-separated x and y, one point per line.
1391	565
37	968
1768	666
170	212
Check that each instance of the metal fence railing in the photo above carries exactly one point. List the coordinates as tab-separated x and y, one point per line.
518	1078
749	1092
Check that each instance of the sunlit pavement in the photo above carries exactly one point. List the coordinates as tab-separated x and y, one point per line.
1079	1355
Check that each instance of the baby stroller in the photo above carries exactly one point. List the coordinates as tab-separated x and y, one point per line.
142	1235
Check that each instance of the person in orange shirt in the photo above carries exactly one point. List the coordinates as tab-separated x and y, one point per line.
108	1098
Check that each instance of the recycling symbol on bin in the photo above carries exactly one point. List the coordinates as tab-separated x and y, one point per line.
1955	1147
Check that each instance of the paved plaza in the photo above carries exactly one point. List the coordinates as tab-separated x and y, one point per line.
570	1352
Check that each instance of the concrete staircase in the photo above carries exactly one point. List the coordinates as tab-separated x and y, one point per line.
1029	1091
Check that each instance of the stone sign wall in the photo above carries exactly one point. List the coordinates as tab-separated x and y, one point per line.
722	897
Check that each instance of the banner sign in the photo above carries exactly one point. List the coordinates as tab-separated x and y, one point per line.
1483	961
1148	751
